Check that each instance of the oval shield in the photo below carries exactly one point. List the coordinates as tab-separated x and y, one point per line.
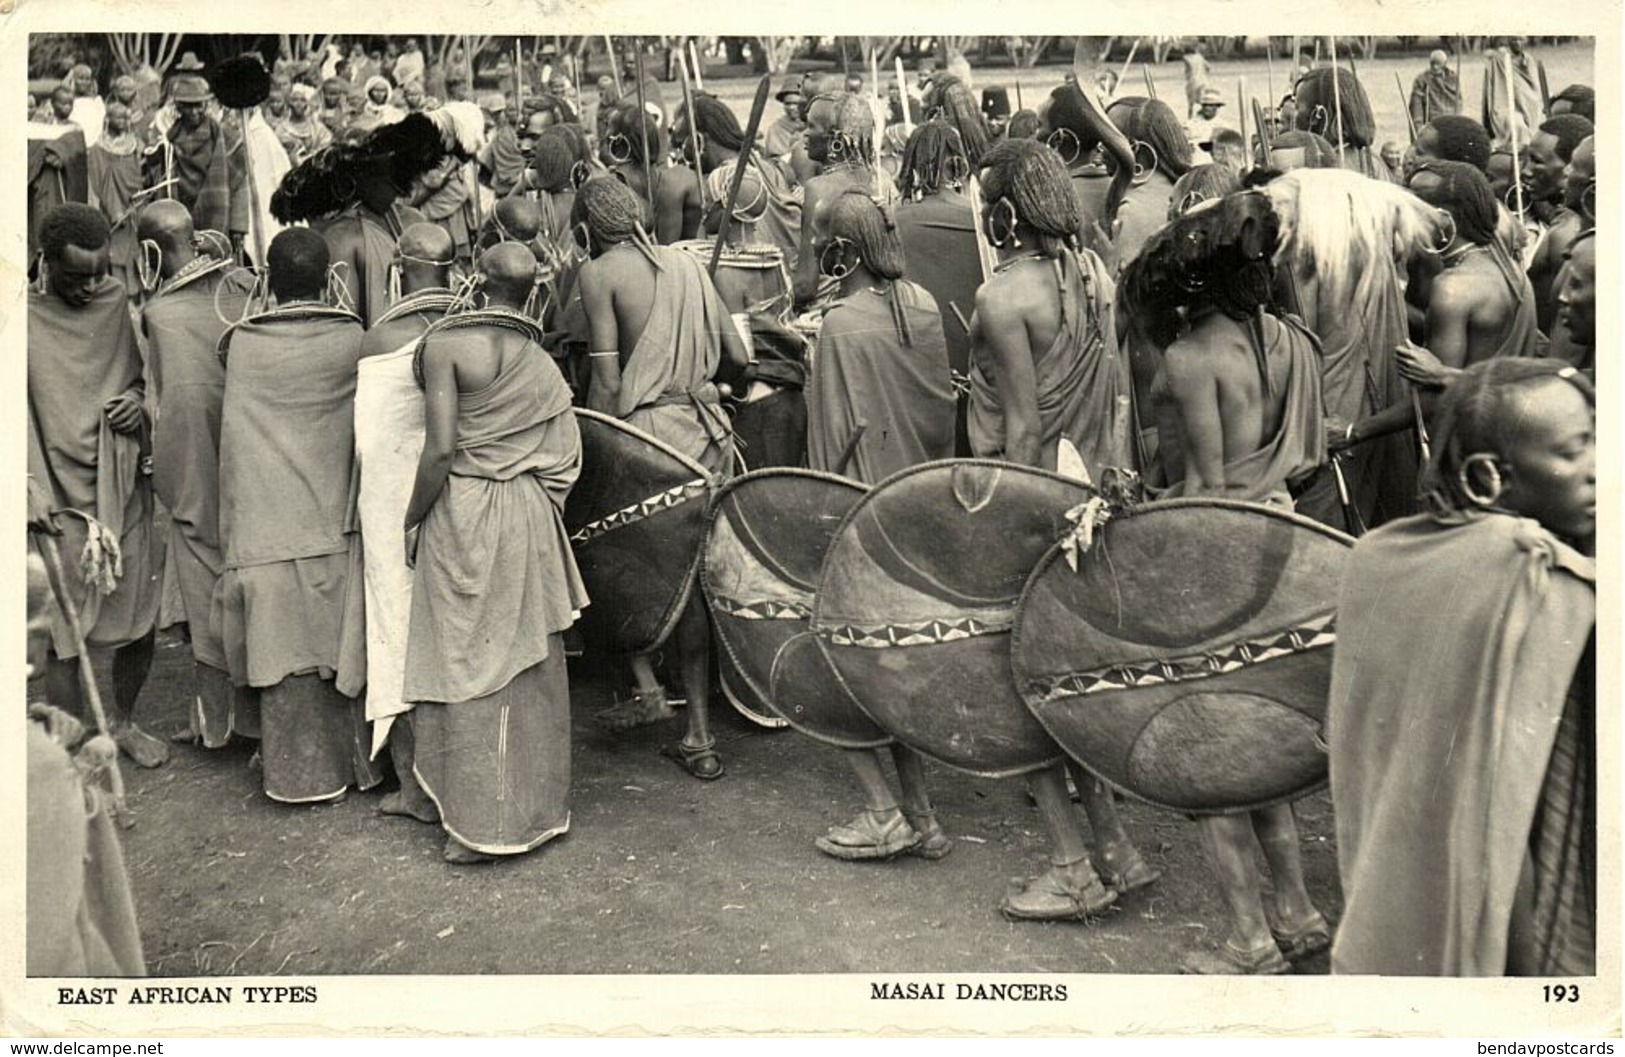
916	598
1187	658
769	532
636	517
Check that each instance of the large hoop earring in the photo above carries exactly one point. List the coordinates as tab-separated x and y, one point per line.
956	170
1320	121
1065	142
1191	200
839	269
1446	236
619	147
1011	219
579	174
149	265
837	146
1464	478
1143	169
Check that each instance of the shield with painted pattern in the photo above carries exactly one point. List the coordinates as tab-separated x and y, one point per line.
1187	658
916	599
769	532
636	517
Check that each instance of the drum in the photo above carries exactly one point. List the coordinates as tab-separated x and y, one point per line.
1187	658
749	278
915	603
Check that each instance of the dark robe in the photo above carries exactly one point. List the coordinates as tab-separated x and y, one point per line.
1460	742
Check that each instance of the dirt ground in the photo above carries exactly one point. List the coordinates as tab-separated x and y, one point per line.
660	873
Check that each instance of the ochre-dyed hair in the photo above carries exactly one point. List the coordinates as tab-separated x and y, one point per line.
715	120
609	208
932	156
1479	414
1034	180
1465	193
73	224
1023	124
1153	122
1203	183
555	156
959	108
862	221
1318	104
627	119
1461	139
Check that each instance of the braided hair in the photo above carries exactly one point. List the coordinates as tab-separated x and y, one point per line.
612	213
628	120
554	158
1319	101
930	159
1219	256
1153	122
1465	193
1478	414
1204	183
715	120
1033	179
872	231
960	109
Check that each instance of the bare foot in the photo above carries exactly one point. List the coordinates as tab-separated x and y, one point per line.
461	855
643	708
143	748
396	804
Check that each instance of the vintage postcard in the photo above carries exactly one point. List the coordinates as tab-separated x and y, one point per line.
618	746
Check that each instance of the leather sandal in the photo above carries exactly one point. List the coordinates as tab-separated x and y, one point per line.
1125	872
700	762
1312	937
1225	960
871	835
1062	893
641	709
934	841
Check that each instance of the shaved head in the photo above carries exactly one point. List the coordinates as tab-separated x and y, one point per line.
518	219
427	242
165	222
509	270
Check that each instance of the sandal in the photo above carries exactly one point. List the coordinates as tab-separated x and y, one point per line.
934	841
1226	960
700	762
1312	937
1062	893
1125	872
871	835
643	708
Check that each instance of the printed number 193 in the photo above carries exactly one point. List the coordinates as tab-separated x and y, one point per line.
1561	992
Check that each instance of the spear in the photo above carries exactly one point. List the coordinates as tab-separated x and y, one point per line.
1269	71
1545	89
693	131
902	96
1241	108
1337	103
643	116
1132	48
1405	104
1512	132
1150	87
694	67
1263	134
757	106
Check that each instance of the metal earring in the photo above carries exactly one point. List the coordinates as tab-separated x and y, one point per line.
1143	170
1464	477
1065	142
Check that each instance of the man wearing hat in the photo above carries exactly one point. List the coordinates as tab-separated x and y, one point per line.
1199	129
782	134
996	109
206	161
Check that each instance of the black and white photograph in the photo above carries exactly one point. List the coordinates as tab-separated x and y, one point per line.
944	525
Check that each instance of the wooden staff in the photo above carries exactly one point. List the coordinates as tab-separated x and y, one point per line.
1269	72
757	106
693	132
1132	48
1405	104
1512	132
902	95
519	77
1337	103
643	115
471	171
87	674
694	67
1241	108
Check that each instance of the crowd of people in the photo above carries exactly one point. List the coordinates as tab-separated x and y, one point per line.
340	335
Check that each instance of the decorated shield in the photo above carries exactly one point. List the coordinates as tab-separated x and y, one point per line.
636	517
915	603
769	532
1188	656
